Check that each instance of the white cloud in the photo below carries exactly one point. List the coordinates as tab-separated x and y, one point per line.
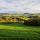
20	5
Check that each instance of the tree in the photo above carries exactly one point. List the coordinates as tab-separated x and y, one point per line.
35	20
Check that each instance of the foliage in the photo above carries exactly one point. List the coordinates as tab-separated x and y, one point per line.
35	20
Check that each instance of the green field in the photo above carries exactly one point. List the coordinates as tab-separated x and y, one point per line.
18	30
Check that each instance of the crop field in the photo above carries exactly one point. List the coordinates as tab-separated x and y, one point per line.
18	30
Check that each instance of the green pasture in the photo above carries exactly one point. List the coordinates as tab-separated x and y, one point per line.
20	30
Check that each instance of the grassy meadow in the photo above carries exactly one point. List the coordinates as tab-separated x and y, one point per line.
18	30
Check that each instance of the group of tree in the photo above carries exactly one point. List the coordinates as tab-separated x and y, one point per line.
35	20
5	18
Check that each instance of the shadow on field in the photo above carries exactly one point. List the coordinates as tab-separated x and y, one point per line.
13	24
29	35
19	24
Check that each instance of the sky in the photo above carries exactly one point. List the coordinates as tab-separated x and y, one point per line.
30	6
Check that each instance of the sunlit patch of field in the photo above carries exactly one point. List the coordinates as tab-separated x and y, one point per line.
19	27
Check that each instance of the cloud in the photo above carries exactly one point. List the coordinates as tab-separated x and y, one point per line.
20	5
